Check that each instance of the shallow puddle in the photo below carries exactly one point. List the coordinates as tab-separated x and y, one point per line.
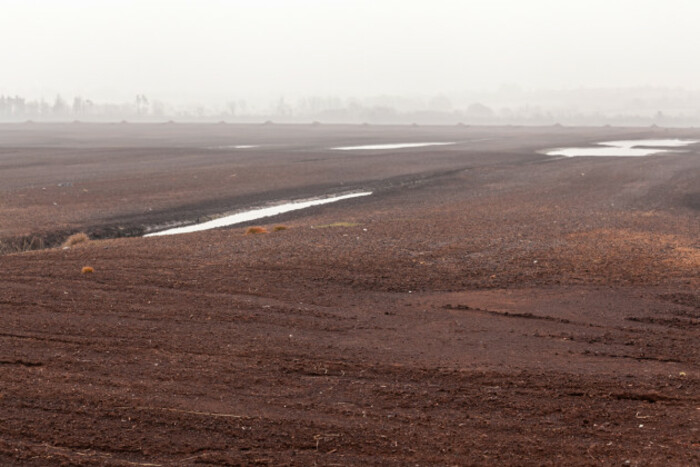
257	213
625	148
605	151
390	146
652	143
238	146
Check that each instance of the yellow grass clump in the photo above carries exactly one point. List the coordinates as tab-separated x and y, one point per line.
87	270
75	239
280	227
255	230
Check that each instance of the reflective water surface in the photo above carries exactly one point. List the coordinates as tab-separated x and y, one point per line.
257	213
237	146
390	146
625	148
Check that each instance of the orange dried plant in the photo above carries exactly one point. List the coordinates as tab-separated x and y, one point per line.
255	230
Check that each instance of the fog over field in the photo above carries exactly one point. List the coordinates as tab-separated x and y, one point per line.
542	61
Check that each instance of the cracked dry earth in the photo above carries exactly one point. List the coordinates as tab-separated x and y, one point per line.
487	305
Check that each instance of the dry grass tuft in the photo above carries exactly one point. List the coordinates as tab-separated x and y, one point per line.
87	270
255	230
280	227
75	239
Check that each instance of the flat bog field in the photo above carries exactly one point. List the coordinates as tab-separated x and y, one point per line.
481	302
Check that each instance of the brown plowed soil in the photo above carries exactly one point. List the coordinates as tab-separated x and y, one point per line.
486	305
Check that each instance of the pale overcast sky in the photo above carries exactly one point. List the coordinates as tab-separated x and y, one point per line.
215	49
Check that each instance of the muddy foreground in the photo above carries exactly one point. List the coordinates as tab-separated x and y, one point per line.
487	305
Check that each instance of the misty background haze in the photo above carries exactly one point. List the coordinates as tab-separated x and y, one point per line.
380	61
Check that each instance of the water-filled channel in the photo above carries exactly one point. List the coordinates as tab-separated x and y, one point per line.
257	213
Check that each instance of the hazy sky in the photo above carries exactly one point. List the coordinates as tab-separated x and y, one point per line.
215	49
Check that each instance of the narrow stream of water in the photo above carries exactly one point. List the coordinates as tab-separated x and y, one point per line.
257	213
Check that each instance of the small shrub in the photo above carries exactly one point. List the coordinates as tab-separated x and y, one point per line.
75	239
280	227
87	270
255	230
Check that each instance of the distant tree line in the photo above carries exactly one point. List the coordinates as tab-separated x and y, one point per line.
14	108
569	109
